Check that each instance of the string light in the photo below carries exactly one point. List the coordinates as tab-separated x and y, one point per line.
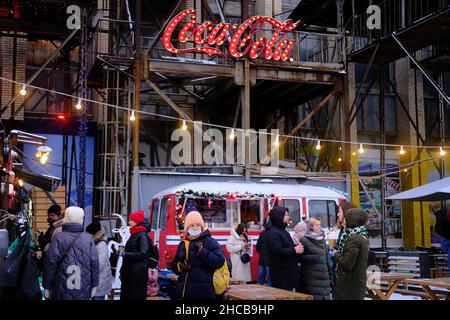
441	151
318	145
405	170
209	124
78	105
23	91
277	141
402	151
44	159
132	117
232	136
184	126
20	182
340	159
361	149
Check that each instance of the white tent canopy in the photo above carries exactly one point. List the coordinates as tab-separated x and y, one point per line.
434	191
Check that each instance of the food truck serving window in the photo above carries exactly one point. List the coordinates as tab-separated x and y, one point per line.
251	213
324	210
213	211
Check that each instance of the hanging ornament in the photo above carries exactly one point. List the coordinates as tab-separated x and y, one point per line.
209	203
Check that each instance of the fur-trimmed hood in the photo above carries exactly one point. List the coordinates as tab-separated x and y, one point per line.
100	235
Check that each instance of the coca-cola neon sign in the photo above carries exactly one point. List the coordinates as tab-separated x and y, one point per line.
240	38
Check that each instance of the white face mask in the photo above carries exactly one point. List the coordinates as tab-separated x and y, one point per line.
194	233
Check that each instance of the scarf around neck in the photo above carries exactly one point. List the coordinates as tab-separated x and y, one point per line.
137	228
314	235
349	232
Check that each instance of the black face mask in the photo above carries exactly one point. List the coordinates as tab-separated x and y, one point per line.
50	221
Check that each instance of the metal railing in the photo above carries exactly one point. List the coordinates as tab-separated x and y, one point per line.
308	47
395	15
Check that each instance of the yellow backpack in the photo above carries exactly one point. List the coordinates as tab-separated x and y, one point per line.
221	277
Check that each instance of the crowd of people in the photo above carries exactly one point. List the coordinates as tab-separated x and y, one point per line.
301	261
75	262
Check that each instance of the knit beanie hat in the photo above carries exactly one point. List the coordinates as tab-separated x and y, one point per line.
94	227
73	215
55	209
193	217
138	216
300	228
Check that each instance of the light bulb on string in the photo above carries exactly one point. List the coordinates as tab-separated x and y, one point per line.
232	136
340	159
78	105
277	141
20	182
318	145
441	151
44	159
184	126
132	117
361	149
23	91
402	151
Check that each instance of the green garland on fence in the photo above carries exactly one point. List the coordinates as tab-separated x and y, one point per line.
221	195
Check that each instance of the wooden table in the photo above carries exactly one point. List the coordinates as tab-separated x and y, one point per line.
235	281
258	292
443	283
393	279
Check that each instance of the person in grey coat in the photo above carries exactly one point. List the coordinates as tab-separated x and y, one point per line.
71	268
315	268
98	233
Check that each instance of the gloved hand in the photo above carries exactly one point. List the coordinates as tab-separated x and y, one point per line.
47	294
182	266
199	246
121	251
93	290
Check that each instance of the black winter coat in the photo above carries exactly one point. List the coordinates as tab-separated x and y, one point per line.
196	282
351	276
262	247
71	266
134	271
315	270
283	259
18	274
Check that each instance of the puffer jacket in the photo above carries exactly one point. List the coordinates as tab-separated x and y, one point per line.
315	269
134	271
351	276
240	270
71	266
197	282
105	275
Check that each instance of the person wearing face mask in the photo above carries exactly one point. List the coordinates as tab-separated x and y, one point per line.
283	252
134	271
55	219
315	270
197	257
237	245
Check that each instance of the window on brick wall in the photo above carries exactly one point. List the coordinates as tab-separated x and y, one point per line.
368	116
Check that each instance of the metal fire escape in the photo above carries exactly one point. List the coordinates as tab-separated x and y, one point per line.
111	78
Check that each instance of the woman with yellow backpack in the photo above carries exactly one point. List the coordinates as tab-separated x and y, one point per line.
199	262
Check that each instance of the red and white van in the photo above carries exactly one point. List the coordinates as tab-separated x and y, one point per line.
223	205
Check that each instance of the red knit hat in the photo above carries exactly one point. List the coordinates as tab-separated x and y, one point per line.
138	216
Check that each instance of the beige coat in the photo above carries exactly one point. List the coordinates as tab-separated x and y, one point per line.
240	270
